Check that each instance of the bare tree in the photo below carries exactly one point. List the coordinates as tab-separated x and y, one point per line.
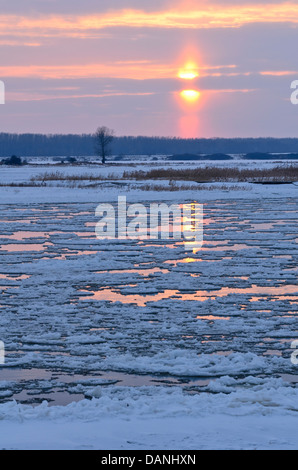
103	138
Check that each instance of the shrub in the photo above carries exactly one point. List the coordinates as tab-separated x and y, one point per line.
15	161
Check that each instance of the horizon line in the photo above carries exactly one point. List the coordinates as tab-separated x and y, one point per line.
149	137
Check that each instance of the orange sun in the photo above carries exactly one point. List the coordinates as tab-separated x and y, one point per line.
190	96
189	72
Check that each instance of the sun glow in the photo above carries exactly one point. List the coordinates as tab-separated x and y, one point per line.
190	95
188	126
187	75
189	72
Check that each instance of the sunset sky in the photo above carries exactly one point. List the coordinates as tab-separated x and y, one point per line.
192	68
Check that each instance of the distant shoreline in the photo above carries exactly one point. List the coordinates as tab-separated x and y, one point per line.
67	145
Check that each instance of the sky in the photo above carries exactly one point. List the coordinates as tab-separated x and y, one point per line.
192	68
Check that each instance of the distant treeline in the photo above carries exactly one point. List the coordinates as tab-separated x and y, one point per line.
30	145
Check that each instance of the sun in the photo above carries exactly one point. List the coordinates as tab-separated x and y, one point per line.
190	95
189	72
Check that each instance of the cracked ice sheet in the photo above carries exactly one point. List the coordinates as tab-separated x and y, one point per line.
206	325
100	318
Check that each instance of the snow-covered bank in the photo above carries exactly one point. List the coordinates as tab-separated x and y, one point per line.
157	418
35	195
107	190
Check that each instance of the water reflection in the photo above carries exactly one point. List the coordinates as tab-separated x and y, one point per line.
21	235
111	294
24	247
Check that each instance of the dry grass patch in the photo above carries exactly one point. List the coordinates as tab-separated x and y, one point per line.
217	174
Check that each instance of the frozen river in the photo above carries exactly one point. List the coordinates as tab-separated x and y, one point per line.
79	314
